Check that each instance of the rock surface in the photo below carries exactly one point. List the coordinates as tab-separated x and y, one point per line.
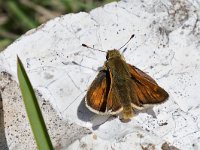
166	46
17	129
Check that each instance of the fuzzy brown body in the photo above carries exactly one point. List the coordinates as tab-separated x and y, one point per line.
120	76
121	86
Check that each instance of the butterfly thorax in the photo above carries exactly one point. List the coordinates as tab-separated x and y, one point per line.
117	65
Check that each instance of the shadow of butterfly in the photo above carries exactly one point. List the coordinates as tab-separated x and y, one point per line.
120	87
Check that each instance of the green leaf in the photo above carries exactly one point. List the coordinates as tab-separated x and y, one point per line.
33	110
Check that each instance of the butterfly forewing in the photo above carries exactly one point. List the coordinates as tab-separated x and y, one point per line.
113	102
97	93
101	98
147	90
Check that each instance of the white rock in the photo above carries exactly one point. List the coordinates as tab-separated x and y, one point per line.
16	126
166	45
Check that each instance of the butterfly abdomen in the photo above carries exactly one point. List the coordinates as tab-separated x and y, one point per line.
127	112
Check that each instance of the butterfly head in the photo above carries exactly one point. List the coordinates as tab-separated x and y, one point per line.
113	54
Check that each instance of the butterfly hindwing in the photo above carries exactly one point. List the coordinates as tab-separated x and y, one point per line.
146	89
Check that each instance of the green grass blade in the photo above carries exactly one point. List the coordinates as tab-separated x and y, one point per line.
33	111
21	15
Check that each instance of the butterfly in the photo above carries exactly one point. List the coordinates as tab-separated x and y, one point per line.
119	87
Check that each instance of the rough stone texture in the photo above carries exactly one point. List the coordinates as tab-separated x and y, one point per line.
166	45
16	126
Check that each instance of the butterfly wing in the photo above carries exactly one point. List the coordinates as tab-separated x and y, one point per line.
100	97
146	88
113	102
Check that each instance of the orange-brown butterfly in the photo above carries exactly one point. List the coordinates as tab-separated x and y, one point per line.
120	87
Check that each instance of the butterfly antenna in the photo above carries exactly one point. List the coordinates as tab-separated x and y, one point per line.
127	41
84	45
